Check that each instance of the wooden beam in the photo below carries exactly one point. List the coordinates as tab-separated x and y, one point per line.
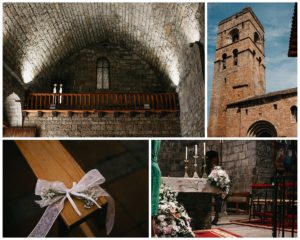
49	160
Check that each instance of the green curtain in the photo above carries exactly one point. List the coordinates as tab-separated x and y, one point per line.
155	177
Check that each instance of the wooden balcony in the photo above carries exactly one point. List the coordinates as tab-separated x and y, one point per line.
102	103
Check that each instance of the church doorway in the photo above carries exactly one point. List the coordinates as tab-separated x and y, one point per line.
262	129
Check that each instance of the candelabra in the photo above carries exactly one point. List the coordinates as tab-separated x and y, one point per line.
195	165
186	165
204	175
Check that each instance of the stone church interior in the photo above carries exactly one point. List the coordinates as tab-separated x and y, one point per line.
224	188
240	104
124	164
103	69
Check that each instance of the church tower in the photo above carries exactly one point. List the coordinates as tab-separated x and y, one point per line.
239	66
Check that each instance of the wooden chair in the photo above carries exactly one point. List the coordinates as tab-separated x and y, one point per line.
49	160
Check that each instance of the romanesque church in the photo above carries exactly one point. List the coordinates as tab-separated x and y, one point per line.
103	69
240	106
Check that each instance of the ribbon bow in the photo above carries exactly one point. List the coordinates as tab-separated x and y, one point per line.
54	194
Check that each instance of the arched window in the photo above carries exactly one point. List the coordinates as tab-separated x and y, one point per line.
256	37
235	57
294	113
102	73
234	34
224	56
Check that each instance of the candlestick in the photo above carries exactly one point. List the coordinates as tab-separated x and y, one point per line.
195	165
196	147
204	150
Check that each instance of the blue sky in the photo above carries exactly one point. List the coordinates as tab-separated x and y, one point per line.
281	71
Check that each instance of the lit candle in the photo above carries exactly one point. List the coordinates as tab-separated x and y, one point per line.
196	150
204	150
186	153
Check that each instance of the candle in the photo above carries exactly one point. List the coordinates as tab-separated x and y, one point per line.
186	153
196	150
204	150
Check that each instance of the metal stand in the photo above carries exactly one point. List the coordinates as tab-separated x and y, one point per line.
195	165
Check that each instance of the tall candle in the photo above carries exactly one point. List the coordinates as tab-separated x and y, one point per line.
186	153
204	150
196	150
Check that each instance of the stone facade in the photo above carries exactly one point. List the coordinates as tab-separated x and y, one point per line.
257	117
106	126
239	74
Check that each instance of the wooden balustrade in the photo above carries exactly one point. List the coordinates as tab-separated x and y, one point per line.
102	102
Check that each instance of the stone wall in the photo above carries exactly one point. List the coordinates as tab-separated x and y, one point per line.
128	72
106	126
191	96
248	162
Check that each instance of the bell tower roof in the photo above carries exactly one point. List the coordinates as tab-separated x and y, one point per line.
242	12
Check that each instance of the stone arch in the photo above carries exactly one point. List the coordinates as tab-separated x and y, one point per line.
13	110
262	129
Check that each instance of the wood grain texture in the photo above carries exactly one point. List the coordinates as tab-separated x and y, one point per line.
49	160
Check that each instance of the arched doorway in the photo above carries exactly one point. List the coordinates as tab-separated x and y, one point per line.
262	129
13	110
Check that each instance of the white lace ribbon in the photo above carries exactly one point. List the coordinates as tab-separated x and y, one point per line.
90	180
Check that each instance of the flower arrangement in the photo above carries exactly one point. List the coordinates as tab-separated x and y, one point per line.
172	219
220	179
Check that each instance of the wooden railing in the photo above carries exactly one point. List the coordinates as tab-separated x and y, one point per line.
152	102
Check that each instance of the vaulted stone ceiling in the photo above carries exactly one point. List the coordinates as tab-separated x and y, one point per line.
38	36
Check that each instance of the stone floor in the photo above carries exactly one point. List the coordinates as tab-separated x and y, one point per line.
244	231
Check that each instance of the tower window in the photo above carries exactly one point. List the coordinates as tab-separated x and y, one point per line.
235	57
294	113
234	34
102	73
256	37
224	56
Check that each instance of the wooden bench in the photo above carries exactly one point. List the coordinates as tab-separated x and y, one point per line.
49	160
238	199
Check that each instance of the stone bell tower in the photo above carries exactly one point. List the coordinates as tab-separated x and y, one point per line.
239	67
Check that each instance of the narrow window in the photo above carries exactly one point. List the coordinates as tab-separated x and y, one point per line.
224	56
102	73
235	57
294	113
256	37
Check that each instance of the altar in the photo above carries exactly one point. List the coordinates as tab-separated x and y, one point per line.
196	195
